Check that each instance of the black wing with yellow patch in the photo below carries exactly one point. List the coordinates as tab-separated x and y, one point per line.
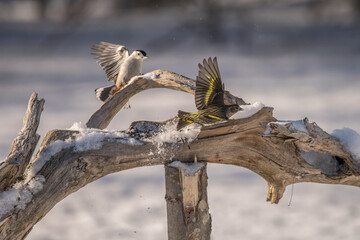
213	113
209	88
209	115
110	57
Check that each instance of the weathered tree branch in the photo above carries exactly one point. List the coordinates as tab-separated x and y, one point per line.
155	79
66	162
23	145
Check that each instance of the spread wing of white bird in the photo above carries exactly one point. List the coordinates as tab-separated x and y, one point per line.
110	57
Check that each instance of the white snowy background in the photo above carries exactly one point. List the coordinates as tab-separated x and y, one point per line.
300	69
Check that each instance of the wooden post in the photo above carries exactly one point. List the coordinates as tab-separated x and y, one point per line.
186	198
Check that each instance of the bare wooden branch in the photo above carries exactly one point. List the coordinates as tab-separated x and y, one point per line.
23	145
155	79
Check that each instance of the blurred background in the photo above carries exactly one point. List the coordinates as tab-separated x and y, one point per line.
301	57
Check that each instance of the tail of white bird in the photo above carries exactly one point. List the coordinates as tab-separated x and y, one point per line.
103	94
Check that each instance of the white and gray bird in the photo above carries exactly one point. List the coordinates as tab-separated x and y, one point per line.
118	66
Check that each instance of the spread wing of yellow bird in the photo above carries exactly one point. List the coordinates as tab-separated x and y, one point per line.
209	88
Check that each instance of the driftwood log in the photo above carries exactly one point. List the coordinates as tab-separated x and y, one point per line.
274	151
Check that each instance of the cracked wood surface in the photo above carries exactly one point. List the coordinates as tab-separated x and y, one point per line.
186	201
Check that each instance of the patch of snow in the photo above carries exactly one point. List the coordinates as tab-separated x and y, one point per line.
86	139
149	76
189	168
132	80
92	138
77	126
169	134
248	110
324	161
8	200
268	129
297	125
20	195
36	184
350	139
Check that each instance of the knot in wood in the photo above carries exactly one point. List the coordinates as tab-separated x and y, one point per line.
81	165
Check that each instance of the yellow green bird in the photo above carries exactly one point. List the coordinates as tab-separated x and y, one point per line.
209	98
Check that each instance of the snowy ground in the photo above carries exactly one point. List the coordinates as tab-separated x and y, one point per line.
318	80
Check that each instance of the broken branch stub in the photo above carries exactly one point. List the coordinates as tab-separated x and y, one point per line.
23	145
